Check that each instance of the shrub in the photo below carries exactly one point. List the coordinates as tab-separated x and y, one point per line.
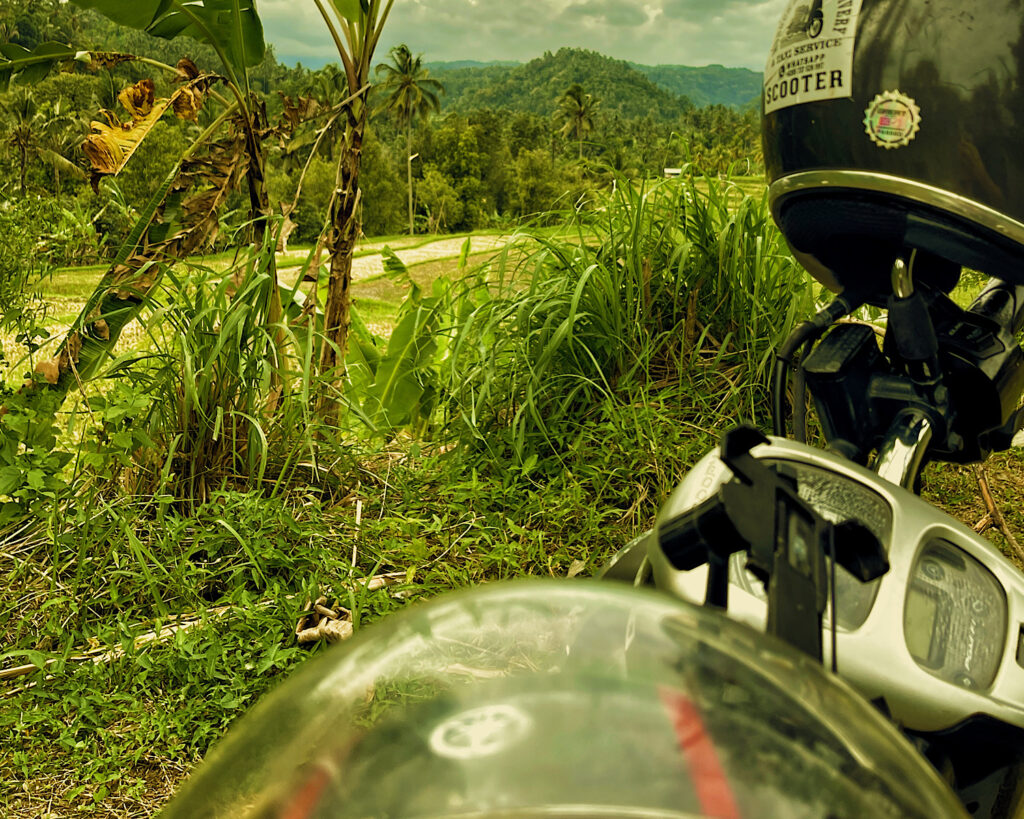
674	293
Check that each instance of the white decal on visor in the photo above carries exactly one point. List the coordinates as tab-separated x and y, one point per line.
479	732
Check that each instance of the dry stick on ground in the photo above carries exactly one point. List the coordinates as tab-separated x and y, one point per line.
101	655
994	517
184	622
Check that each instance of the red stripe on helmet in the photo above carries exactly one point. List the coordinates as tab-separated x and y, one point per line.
712	785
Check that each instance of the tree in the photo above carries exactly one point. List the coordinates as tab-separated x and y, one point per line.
413	95
355	26
440	199
26	135
182	216
576	109
329	87
536	186
62	135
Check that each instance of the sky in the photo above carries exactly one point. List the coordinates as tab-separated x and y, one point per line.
735	33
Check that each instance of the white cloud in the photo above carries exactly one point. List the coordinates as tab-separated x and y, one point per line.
686	32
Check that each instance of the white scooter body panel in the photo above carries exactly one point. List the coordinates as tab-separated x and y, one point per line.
927	640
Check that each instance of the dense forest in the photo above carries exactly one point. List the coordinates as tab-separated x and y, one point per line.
503	145
466	81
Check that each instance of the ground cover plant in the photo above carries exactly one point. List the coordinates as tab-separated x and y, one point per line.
179	506
526	415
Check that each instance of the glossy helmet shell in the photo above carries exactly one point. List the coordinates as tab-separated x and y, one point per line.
917	143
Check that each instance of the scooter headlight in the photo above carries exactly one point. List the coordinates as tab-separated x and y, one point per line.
954	619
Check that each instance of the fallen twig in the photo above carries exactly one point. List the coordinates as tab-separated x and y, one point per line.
997	519
106	655
184	622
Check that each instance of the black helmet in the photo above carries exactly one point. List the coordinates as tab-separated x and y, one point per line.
898	125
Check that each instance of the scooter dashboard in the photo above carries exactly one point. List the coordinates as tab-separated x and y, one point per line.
933	637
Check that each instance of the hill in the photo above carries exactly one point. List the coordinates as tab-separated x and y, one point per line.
709	84
535	87
454	65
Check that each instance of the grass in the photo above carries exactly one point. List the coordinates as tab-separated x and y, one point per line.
576	377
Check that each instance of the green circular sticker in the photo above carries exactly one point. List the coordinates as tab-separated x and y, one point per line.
892	119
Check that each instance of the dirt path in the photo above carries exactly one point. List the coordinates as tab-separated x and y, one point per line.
368	266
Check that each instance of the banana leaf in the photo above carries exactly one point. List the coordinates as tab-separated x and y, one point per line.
110	145
32	66
233	27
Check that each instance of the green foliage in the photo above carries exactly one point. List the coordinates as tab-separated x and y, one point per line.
537	184
115	453
439	200
466	157
660	290
412	92
81	93
22	223
738	88
383	190
31	464
536	86
702	85
399	386
27	67
317	186
576	110
232	27
28	23
209	378
70	236
155	157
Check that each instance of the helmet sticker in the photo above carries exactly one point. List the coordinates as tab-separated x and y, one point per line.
479	732
812	55
892	119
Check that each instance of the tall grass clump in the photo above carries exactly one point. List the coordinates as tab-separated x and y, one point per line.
669	296
217	396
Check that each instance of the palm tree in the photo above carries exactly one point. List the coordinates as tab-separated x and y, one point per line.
47	134
62	135
329	87
576	109
413	96
26	130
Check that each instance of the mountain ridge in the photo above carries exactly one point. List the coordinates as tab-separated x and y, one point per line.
712	84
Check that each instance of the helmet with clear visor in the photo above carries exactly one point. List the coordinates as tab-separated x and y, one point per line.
562	699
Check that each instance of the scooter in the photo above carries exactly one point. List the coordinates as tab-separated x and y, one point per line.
831	550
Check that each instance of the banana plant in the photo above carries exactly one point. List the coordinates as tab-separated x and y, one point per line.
182	215
355	26
232	27
31	66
